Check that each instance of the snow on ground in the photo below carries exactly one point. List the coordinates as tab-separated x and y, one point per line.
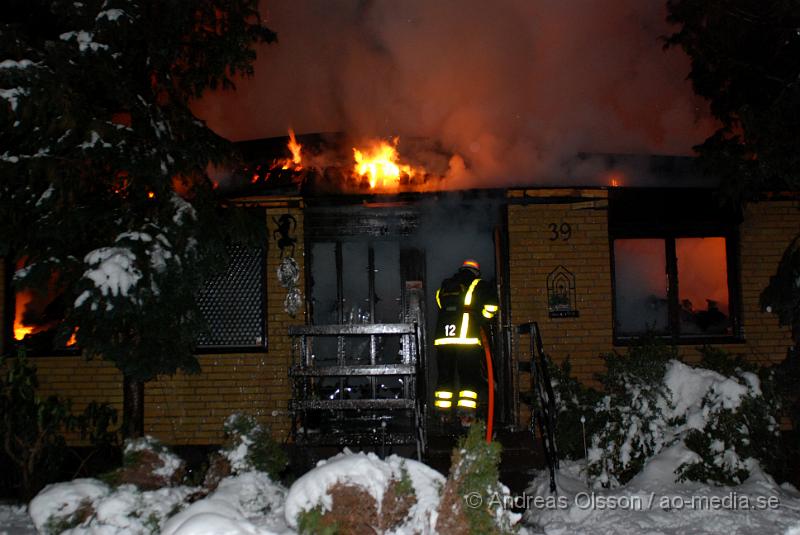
249	503
653	503
15	520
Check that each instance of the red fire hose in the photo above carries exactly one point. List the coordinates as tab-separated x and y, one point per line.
490	380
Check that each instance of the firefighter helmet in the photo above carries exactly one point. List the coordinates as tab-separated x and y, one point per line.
471	264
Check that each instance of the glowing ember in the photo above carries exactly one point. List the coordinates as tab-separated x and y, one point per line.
380	165
121	183
151	194
21	330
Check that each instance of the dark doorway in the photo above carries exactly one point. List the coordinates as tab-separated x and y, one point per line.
361	259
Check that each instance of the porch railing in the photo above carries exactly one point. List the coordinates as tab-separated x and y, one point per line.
326	411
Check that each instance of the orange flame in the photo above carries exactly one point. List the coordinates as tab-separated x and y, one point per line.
293	163
380	165
73	340
295	148
23	297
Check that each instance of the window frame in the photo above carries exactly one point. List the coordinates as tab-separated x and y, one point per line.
263	347
731	236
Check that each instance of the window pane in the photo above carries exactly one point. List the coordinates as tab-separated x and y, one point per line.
387	298
323	292
703	286
640	286
387	282
355	282
38	314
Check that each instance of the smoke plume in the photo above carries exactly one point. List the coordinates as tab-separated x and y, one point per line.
514	88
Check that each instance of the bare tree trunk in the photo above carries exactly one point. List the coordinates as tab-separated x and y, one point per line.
132	407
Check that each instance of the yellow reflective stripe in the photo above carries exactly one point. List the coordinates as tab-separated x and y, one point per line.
487	315
443	394
456	341
468	297
464	325
490	308
443	404
438	303
467	403
468	394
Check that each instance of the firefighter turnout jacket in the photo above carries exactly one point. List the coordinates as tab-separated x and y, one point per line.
465	302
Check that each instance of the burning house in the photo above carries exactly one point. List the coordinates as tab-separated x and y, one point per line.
325	332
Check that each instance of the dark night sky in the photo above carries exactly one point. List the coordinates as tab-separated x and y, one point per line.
515	87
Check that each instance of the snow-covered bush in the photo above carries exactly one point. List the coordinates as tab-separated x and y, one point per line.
145	497
635	412
249	446
473	498
148	464
653	502
358	492
653	401
90	506
739	410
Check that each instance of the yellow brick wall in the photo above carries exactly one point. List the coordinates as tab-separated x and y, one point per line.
81	381
190	409
533	255
768	228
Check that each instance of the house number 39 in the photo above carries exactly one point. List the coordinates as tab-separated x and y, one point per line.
562	231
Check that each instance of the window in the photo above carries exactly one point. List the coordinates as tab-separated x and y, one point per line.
676	286
674	264
233	303
36	315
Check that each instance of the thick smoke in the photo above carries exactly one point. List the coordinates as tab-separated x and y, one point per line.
516	88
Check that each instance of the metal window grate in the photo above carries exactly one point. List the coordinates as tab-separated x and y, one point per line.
233	303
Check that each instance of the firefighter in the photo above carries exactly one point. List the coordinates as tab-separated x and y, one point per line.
466	303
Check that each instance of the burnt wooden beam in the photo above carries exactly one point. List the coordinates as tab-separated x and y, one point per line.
352	329
351	371
352	404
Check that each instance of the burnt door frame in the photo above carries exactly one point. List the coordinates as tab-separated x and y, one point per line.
339	222
506	372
